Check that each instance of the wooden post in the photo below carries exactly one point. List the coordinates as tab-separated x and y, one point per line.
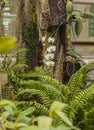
58	18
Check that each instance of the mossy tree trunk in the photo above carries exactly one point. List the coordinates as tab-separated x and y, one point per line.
29	31
1	23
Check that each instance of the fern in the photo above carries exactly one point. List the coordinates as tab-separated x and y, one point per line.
90	113
39	90
50	90
34	95
57	121
45	79
77	82
88	122
23	104
41	109
81	101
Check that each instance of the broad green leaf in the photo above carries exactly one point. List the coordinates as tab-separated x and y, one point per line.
44	122
5	115
22	115
64	127
18	125
64	117
56	105
87	15
13	126
9	109
10	125
29	111
7	44
26	120
78	26
4	103
33	128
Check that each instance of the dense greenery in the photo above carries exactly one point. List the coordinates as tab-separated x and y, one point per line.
38	97
37	89
12	118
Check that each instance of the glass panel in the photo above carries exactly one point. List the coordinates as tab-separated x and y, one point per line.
91	24
88	24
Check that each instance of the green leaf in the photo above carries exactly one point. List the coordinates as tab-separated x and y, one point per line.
87	15
69	7
26	120
34	128
62	127
23	114
64	117
4	103
7	44
13	126
10	125
18	125
56	105
9	109
5	115
78	26
44	122
29	111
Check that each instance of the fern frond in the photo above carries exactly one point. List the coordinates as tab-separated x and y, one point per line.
77	81
41	109
45	79
20	66
90	113
88	122
57	122
50	90
40	71
23	105
82	100
34	95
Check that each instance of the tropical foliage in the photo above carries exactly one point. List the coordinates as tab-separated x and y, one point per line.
39	101
36	89
12	118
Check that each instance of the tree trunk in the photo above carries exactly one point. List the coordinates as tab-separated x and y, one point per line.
29	31
60	53
58	18
1	24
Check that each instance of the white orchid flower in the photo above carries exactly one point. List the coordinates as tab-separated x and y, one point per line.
49	56
51	40
51	49
50	63
86	61
43	39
